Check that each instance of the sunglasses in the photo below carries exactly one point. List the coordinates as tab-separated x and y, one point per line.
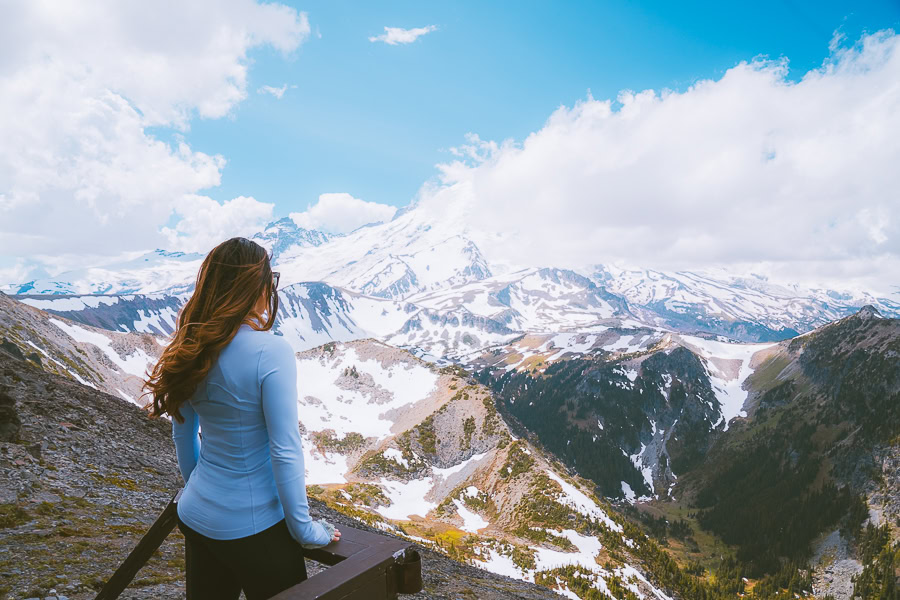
276	277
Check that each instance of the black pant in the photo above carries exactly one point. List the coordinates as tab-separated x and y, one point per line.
261	564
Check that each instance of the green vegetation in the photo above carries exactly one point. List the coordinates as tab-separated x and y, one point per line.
504	440
376	463
881	558
575	579
661	528
468	430
541	508
518	461
325	440
492	420
455	370
117	480
360	494
13	515
523	557
426	435
563	405
540	535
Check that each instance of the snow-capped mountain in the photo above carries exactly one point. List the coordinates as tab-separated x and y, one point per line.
532	300
284	234
153	272
407	255
434	264
743	308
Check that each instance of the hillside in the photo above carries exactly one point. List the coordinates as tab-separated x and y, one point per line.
556	461
82	476
111	361
774	454
818	457
629	409
413	450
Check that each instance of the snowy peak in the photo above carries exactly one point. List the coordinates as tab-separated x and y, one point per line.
532	300
749	309
282	235
449	262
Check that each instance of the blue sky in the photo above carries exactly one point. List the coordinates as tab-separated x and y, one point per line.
754	170
372	119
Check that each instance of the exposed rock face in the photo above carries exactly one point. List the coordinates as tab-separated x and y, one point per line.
9	419
834	567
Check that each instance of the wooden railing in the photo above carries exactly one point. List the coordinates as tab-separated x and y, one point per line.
362	565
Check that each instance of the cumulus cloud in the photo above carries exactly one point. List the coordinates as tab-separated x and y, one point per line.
203	222
342	213
398	35
80	84
797	179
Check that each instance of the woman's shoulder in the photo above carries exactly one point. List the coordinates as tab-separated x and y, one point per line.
267	342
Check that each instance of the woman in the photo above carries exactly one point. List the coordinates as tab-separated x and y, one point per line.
243	512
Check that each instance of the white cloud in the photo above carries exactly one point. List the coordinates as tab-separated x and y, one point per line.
79	86
204	222
398	35
278	92
14	270
799	179
342	213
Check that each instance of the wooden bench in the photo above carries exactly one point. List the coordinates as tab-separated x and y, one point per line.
362	565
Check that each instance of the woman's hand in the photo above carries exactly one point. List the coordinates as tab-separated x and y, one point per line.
337	535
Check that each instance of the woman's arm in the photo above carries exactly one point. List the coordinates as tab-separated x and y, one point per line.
278	381
187	440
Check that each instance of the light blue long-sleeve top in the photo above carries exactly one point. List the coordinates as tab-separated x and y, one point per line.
248	473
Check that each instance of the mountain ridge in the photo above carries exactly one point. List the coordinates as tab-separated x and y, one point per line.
415	255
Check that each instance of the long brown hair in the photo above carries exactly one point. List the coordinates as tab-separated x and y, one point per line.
231	280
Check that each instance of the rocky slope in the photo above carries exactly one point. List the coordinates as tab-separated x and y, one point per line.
409	448
111	361
82	476
420	450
